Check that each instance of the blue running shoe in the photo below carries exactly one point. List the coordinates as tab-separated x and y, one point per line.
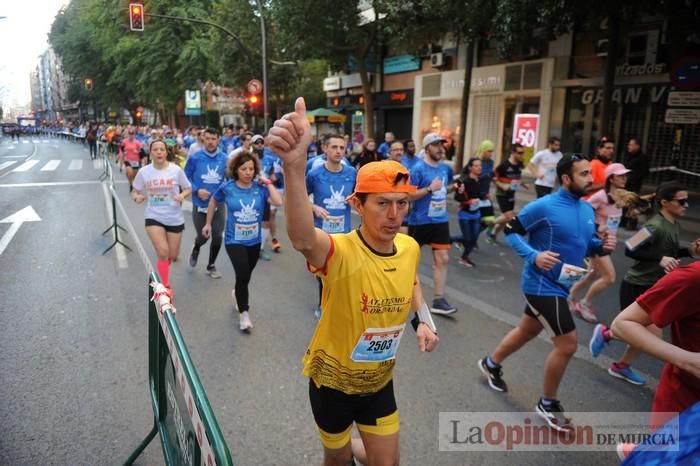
625	372
598	341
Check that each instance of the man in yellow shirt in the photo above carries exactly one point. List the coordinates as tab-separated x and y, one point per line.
370	284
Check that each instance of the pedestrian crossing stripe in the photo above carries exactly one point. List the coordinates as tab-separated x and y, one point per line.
75	164
26	166
4	165
53	165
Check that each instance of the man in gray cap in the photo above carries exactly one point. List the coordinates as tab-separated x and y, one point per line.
428	222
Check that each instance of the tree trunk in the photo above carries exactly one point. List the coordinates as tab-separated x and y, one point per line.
369	97
614	18
461	150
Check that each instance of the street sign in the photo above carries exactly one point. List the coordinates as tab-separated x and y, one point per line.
682	116
683	99
17	219
685	74
193	102
255	86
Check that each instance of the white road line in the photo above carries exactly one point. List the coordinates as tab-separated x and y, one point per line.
121	252
54	183
25	142
51	166
75	164
4	165
26	166
46	141
97	164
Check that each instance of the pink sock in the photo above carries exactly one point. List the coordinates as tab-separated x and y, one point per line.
606	334
164	271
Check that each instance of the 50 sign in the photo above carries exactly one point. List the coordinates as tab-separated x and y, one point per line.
526	129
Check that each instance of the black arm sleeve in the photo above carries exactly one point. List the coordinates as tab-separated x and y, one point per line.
683	252
515	227
643	254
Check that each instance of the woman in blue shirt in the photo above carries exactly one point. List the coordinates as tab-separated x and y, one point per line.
244	195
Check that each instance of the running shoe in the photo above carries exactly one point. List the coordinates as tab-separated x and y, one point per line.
625	372
276	246
441	306
494	376
465	263
318	312
244	321
458	245
598	341
584	311
264	255
553	414
491	238
624	450
194	255
212	272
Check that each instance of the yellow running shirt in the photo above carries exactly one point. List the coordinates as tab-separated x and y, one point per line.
366	299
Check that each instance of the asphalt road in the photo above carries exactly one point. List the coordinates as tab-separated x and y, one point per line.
73	339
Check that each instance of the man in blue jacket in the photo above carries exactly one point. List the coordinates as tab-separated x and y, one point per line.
206	170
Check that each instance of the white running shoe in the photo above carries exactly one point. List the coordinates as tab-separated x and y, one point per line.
245	323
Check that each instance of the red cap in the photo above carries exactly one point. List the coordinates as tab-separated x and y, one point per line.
382	177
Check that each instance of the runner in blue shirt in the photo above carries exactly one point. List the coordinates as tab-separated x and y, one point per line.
561	232
428	220
409	158
206	170
245	195
329	185
384	147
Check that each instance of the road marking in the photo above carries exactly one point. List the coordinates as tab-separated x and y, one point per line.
97	164
45	141
121	252
13	157
17	219
4	165
26	166
54	183
25	142
51	166
489	310
75	164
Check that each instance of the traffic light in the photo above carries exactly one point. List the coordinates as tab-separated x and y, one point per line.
254	100
138	115
136	16
88	84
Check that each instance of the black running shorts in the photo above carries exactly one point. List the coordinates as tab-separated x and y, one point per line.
335	412
506	203
552	312
169	228
437	235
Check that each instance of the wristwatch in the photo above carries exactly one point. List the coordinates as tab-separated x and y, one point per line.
430	190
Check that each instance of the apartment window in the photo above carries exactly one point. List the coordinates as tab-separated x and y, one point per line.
513	77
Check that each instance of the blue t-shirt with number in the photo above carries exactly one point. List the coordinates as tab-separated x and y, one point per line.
244	207
431	208
330	190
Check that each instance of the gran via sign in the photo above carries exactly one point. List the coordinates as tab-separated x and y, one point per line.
183	417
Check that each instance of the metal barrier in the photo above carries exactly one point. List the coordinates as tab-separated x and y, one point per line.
182	415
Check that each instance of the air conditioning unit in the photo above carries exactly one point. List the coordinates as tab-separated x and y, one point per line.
437	60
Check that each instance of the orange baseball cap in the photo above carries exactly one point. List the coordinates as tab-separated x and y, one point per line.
386	176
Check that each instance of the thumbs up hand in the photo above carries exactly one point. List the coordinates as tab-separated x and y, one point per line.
290	136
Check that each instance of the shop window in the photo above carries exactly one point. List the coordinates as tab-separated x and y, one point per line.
637	49
532	76
513	77
431	85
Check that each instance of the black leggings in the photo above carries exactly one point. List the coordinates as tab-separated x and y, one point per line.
217	228
244	259
629	292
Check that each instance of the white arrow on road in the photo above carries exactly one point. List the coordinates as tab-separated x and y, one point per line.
17	219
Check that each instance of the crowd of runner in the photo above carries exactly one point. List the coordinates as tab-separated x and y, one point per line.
237	180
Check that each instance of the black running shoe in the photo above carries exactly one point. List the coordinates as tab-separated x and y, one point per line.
494	376
553	414
194	255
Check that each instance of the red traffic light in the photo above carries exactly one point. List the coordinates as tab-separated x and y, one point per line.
253	99
136	16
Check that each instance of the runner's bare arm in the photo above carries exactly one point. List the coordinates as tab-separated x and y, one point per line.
289	138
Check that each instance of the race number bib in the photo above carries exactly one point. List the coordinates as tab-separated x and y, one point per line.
474	207
570	274
134	163
246	232
159	200
334	224
614	222
438	208
378	344
484	203
202	210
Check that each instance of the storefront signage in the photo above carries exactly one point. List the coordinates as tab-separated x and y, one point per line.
398	96
683	116
353	80
640	70
487	79
331	84
526	128
683	99
401	64
193	102
628	95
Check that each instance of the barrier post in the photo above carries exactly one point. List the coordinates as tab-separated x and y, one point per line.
189	432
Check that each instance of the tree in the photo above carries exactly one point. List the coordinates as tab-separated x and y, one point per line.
333	31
